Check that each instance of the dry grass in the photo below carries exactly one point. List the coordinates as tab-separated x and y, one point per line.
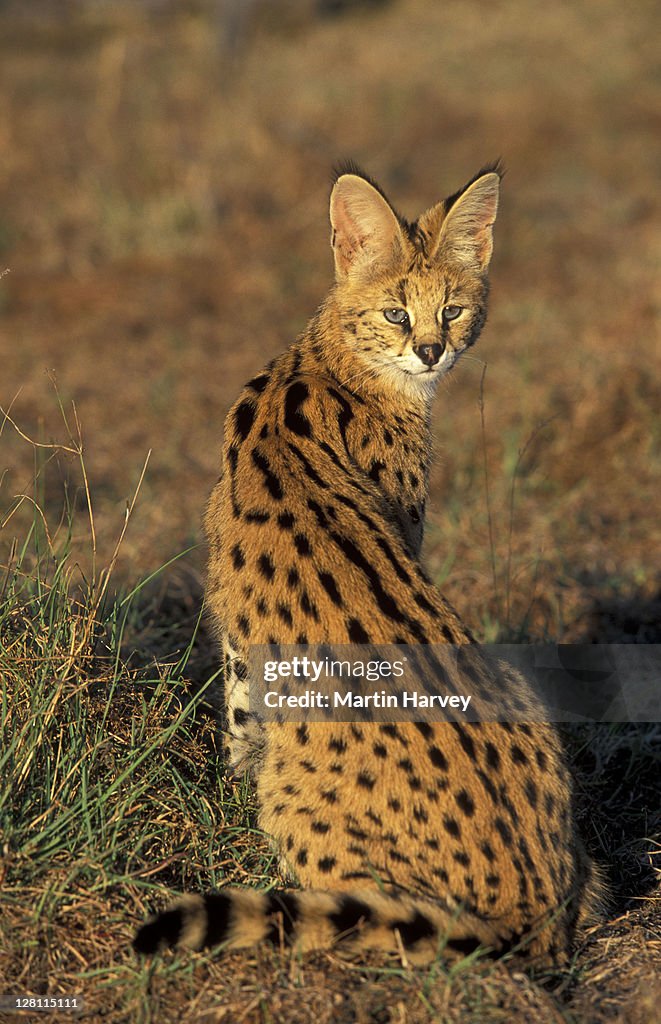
162	211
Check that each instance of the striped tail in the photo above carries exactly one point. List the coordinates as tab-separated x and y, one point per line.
313	919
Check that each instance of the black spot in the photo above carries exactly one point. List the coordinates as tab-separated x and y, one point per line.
293	579
525	853
266	567
394	804
346	412
365	781
388	438
262	607
530	789
163	932
466	803
308	606
233	458
462	858
284	906
388	552
349	914
271	481
297	422
318	511
330	586
241	716
285	520
320	826
418	928
326	864
238	558
339	746
493	757
464	946
380	750
284	611
302	545
302	734
438	759
541	760
504	830
451	827
244	417
464	739
488	785
518	757
356	833
393	732
386	602
243	625
255	516
310	471
357	633
423	603
258	383
302	857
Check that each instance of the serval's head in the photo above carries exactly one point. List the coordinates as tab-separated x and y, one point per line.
411	296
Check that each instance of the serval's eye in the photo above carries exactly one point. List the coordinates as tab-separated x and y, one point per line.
452	312
396	316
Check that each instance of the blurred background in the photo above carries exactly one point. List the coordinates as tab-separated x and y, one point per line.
164	177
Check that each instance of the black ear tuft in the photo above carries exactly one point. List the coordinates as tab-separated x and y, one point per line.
351	167
495	167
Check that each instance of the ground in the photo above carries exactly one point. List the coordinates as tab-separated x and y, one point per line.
164	176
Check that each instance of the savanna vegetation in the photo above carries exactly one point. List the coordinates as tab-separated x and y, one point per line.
164	173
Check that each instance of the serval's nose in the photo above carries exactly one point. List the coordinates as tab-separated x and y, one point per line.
429	354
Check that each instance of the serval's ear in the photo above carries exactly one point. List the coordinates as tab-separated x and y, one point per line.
466	234
365	229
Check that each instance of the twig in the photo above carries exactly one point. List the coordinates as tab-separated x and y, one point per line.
522	451
492	547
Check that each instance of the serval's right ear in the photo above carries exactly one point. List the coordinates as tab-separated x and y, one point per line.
366	232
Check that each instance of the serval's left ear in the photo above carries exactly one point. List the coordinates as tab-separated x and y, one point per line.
460	228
